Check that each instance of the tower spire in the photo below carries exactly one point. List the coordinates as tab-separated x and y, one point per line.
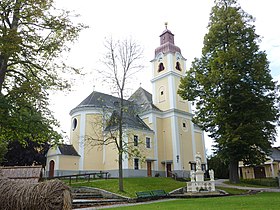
166	24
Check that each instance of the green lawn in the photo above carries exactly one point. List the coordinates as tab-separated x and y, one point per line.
232	191
132	185
261	201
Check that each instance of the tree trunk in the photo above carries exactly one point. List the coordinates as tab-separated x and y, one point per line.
2	77
233	171
121	146
120	173
3	70
4	57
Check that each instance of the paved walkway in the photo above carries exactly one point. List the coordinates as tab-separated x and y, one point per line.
126	204
220	182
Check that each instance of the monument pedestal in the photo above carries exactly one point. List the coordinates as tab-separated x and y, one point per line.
199	176
195	187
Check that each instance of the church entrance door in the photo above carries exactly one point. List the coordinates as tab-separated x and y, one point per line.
149	168
168	170
51	171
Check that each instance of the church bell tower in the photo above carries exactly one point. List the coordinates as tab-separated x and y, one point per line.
177	137
168	67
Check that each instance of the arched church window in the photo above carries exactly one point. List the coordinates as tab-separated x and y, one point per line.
160	67
178	66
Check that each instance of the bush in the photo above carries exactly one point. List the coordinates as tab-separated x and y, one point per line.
269	182
219	165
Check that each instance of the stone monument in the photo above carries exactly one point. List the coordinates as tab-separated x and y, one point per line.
197	183
199	174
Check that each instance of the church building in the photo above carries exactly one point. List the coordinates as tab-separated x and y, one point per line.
161	128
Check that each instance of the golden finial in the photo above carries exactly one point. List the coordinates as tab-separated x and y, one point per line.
166	23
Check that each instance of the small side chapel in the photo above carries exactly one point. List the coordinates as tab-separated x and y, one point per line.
170	139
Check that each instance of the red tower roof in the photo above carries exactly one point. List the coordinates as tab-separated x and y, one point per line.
167	43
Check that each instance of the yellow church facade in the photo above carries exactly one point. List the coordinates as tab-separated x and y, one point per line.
161	130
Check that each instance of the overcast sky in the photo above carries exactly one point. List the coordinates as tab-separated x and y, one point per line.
143	20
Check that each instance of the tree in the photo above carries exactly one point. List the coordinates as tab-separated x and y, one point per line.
27	116
236	99
26	155
122	61
3	150
33	36
219	165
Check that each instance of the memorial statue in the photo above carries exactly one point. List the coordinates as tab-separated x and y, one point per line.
198	161
211	174
192	176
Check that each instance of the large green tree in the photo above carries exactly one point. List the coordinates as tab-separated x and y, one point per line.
236	98
33	36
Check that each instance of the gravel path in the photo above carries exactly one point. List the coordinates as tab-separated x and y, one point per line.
220	182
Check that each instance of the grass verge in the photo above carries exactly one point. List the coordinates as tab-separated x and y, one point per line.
232	191
268	201
133	185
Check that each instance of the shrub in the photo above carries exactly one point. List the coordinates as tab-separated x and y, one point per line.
269	182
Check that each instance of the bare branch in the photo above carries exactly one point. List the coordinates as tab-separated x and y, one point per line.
121	61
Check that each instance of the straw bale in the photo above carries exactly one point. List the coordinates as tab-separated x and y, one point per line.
49	195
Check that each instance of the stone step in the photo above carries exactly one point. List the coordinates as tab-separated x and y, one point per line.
78	203
86	195
84	190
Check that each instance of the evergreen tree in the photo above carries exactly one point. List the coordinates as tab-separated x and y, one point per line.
237	100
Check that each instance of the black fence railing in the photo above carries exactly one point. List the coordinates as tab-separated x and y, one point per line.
82	177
